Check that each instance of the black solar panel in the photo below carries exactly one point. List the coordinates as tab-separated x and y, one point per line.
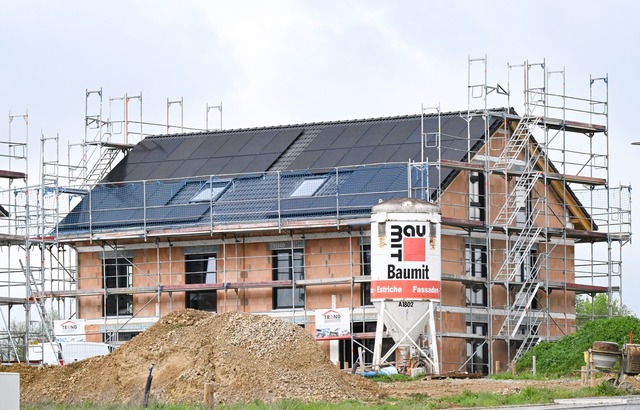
210	146
188	168
280	142
260	163
258	142
406	152
233	145
400	132
329	158
160	149
236	165
164	169
430	128
476	127
141	150
350	136
431	154
454	127
142	171
375	134
186	148
305	159
119	172
381	153
355	156
213	166
415	137
325	138
460	144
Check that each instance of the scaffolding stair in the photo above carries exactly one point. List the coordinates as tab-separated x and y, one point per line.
530	339
517	199
516	144
519	313
37	295
102	166
519	309
12	343
516	255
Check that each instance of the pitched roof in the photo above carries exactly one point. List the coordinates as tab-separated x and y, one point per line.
251	175
314	146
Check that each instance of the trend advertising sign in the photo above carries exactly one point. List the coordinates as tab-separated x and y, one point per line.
69	330
406	262
333	324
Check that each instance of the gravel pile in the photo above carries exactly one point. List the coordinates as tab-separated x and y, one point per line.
247	357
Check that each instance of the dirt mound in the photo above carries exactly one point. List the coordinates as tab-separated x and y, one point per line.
247	357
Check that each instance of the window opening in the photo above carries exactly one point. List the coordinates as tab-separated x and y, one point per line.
523	203
476	196
201	269
476	267
477	350
365	269
528	270
287	265
118	273
119	337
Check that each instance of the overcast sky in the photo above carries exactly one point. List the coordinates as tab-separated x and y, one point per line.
282	62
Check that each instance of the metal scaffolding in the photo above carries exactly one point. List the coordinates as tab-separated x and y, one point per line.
532	198
546	176
38	271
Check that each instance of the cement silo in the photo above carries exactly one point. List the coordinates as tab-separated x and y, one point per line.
405	276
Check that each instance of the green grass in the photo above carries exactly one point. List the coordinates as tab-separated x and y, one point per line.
528	395
393	378
519	376
565	356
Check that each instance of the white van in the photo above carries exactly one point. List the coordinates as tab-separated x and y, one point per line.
47	353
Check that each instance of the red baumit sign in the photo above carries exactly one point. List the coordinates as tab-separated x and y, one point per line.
405	270
405	289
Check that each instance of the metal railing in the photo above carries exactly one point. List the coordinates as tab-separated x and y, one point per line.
221	202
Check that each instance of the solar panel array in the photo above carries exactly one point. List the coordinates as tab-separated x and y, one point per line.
204	154
253	193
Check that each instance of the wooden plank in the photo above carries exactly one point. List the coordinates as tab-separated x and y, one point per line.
11	239
469	166
4	300
462	278
12	174
580	288
573	126
579	179
111	145
461	223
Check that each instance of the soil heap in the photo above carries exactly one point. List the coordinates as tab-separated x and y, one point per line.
247	357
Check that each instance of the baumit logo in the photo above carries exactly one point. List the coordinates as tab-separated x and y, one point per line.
408	244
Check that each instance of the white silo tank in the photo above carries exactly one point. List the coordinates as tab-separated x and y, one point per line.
405	271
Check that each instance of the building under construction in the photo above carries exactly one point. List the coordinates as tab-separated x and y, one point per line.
276	220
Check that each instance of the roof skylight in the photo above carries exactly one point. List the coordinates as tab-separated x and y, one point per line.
210	193
308	187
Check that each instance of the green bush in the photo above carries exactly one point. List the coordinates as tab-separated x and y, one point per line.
565	356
